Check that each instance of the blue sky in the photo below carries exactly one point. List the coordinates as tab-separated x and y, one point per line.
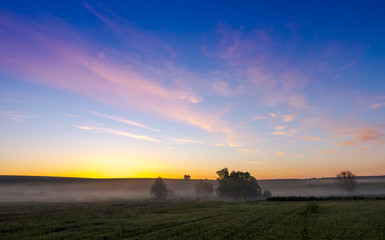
151	89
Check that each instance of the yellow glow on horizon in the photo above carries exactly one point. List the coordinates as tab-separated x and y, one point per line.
130	166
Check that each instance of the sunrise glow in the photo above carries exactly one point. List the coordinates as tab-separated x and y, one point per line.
107	91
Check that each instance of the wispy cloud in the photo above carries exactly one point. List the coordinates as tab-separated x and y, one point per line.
108	78
288	118
349	132
281	154
146	42
288	133
377	105
358	135
251	56
84	127
330	151
279	133
70	115
349	65
118	132
261	117
219	144
311	138
281	127
16	116
283	117
123	120
184	140
365	135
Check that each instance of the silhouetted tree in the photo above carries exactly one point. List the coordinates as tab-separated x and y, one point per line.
204	188
267	194
159	189
346	180
237	184
187	177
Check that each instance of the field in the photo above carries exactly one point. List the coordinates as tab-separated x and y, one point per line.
149	219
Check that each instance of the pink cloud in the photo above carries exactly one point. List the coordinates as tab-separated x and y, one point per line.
251	56
330	151
261	117
281	154
15	116
311	138
369	134
268	68
283	117
184	140
281	127
377	105
287	133
348	133
75	65
247	150
70	115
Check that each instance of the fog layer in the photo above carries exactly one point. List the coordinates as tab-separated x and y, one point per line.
17	189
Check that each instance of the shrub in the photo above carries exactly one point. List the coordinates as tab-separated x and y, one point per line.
159	189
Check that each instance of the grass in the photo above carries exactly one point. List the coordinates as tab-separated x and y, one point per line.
194	220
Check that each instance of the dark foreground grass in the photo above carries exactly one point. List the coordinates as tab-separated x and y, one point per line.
194	220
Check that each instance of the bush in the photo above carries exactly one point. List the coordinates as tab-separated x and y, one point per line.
159	189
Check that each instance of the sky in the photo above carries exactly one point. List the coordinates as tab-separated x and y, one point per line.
141	89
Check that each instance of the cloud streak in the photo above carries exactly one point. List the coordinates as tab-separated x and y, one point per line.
371	134
123	120
16	116
184	140
377	105
69	63
118	132
311	138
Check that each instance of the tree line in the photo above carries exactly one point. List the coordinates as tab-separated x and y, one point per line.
237	184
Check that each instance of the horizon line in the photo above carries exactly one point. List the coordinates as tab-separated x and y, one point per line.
118	178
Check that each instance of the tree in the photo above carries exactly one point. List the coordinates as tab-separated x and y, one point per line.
204	188
237	184
187	177
159	189
347	181
267	194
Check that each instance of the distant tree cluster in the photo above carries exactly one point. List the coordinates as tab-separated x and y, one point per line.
237	184
186	177
234	185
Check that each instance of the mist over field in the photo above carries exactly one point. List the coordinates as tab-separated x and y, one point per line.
56	189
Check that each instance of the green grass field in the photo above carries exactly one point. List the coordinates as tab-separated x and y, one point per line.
194	220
